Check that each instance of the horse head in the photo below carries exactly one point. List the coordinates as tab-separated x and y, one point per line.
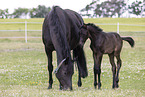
64	72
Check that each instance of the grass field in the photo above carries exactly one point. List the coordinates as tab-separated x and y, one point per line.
23	66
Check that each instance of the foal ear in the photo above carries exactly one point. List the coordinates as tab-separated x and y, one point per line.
84	26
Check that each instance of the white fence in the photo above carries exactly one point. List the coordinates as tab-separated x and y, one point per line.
26	31
26	26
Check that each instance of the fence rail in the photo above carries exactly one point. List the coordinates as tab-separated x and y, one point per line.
26	28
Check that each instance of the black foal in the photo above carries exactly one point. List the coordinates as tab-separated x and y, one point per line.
104	43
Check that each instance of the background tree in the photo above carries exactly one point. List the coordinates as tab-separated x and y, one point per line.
39	12
4	13
143	9
136	8
20	12
98	11
110	8
89	8
107	8
86	9
120	7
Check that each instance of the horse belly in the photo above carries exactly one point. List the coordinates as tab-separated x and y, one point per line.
108	49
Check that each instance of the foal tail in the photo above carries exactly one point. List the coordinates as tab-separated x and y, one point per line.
129	40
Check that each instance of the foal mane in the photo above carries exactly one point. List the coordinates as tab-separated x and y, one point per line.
97	28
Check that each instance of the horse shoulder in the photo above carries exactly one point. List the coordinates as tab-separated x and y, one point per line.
73	28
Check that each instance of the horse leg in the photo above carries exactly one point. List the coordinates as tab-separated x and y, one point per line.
79	55
81	61
79	74
50	67
111	57
97	69
79	80
119	62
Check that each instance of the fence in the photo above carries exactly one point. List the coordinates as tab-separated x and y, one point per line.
26	30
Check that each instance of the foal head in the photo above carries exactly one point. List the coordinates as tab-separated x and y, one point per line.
87	30
83	35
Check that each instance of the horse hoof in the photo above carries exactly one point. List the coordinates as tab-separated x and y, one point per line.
79	84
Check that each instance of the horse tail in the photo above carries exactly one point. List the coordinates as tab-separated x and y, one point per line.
129	40
79	54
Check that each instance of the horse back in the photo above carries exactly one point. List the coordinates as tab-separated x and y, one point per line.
61	29
107	43
115	42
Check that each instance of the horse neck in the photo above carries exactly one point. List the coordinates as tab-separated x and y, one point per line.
57	32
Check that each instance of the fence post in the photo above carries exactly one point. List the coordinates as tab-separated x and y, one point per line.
118	27
26	31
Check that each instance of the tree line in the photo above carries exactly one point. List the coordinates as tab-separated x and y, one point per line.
108	8
40	12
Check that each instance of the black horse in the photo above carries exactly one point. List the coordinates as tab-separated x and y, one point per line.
61	32
104	43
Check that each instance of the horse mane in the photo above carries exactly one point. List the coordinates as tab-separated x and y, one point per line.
58	32
96	27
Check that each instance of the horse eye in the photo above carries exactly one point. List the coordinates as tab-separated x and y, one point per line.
65	73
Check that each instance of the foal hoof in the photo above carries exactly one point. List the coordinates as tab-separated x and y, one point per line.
113	87
95	87
99	86
117	86
50	87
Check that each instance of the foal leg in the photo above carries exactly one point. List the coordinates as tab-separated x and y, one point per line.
97	69
111	57
119	62
50	67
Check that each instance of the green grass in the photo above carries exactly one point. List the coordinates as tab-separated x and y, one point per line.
23	69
